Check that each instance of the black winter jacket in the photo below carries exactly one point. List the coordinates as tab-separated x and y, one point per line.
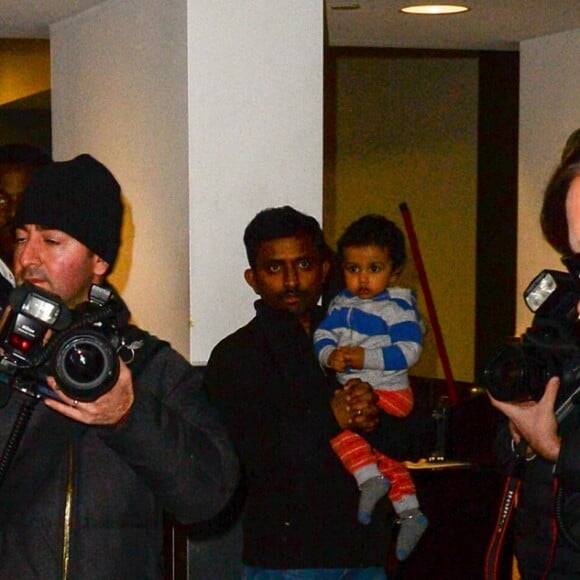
301	509
535	515
87	502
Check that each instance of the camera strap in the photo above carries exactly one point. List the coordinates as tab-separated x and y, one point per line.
511	487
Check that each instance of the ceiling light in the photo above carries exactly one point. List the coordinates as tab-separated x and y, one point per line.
434	9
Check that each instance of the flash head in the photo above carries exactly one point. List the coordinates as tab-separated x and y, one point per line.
553	294
41	305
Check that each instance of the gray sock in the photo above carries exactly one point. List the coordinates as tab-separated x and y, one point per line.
413	525
371	491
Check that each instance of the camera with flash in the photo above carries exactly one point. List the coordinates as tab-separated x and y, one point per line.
40	336
519	370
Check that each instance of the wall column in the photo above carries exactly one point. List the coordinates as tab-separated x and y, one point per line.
206	112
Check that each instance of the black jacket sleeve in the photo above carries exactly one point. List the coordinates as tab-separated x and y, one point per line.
175	441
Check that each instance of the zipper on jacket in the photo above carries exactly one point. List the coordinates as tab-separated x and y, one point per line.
68	514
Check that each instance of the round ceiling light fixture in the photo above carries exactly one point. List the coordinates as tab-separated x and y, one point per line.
434	9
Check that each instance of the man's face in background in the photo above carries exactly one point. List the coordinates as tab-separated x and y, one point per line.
288	274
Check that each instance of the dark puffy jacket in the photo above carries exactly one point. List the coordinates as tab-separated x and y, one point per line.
87	502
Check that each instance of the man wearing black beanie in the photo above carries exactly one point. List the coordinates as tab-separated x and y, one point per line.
81	199
90	480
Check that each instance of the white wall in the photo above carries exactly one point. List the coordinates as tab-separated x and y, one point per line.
549	112
119	90
255	81
206	112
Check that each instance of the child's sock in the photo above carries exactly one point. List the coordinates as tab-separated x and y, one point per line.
413	524
371	491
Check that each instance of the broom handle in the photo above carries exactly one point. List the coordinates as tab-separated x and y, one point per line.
451	391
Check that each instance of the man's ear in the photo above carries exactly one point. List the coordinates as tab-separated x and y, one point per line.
325	269
250	279
100	266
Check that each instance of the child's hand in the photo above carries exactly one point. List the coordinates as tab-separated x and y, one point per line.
336	360
354	356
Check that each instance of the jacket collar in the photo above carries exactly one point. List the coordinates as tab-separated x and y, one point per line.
289	346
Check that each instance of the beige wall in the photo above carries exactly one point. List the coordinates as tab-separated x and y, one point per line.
407	132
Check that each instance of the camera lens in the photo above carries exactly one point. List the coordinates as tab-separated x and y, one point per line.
519	371
506	373
86	365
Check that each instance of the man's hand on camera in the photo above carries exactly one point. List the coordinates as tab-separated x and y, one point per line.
108	409
355	406
535	422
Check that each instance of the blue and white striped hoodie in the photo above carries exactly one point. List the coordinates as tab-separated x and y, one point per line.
388	327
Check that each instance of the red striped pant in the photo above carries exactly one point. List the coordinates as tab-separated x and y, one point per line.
355	452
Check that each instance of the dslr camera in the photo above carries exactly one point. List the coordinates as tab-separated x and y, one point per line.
519	370
40	336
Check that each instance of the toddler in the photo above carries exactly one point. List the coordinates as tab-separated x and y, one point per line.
373	331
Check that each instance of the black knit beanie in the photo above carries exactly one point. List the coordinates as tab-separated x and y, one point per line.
80	197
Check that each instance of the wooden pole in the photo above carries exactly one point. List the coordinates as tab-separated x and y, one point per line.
414	244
